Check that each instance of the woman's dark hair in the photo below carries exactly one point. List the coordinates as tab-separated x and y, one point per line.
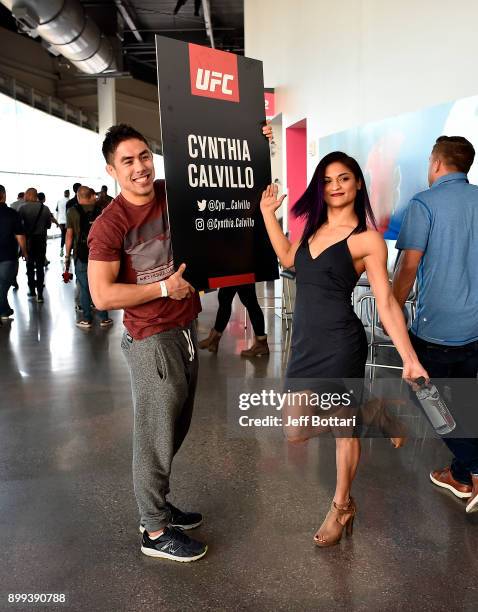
311	204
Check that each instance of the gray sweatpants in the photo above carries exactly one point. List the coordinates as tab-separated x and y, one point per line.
163	371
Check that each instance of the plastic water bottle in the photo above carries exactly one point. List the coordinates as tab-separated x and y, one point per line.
434	407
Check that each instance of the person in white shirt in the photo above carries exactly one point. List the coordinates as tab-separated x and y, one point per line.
61	217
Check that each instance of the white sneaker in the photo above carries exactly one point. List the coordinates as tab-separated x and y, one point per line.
83	324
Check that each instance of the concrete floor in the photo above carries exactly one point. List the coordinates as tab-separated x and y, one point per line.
68	519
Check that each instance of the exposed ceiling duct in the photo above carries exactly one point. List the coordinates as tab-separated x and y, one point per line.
64	25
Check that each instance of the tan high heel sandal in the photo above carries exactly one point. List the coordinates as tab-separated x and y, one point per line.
338	518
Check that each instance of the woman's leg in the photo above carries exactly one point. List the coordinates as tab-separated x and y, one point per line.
225	296
342	512
347	457
247	295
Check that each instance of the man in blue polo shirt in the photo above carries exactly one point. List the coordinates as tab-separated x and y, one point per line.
439	244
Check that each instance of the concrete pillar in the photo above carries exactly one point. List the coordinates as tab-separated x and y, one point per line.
106	108
106	104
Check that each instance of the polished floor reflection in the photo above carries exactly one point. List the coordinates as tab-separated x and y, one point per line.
68	516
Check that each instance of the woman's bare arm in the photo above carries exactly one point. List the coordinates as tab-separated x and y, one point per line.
390	313
282	246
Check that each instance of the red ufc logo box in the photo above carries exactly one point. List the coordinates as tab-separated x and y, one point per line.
213	73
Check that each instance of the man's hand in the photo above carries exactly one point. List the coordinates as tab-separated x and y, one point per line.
178	288
267	131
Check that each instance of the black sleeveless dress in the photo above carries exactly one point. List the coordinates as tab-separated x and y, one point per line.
328	339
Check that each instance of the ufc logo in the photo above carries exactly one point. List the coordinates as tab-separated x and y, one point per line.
208	80
213	73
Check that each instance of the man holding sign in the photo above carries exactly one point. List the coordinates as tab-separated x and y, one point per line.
131	267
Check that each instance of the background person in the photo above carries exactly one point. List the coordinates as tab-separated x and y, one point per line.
11	237
439	243
36	218
19	201
103	198
80	218
61	217
73	201
42	200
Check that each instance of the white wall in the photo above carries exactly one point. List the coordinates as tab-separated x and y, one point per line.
42	151
345	64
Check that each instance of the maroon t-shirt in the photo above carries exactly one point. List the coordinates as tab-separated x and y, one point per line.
138	237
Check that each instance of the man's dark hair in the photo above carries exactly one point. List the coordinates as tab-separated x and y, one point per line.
455	152
76	186
66	193
41	196
115	136
104	188
21	195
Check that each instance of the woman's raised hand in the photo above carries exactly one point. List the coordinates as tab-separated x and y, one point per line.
269	200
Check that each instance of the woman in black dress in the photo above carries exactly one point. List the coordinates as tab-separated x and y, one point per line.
328	340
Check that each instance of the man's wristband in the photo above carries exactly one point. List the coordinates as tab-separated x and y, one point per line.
164	289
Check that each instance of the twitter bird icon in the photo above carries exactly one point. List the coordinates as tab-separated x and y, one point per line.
201	205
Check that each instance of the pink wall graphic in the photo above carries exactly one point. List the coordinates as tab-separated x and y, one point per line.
296	147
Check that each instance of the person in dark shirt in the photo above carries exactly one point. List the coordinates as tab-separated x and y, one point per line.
42	200
36	219
19	202
11	236
79	220
74	199
103	198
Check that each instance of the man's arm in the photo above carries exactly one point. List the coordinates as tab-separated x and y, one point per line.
20	234
68	247
22	243
107	294
405	274
48	217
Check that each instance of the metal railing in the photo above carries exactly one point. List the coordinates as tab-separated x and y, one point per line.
54	106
